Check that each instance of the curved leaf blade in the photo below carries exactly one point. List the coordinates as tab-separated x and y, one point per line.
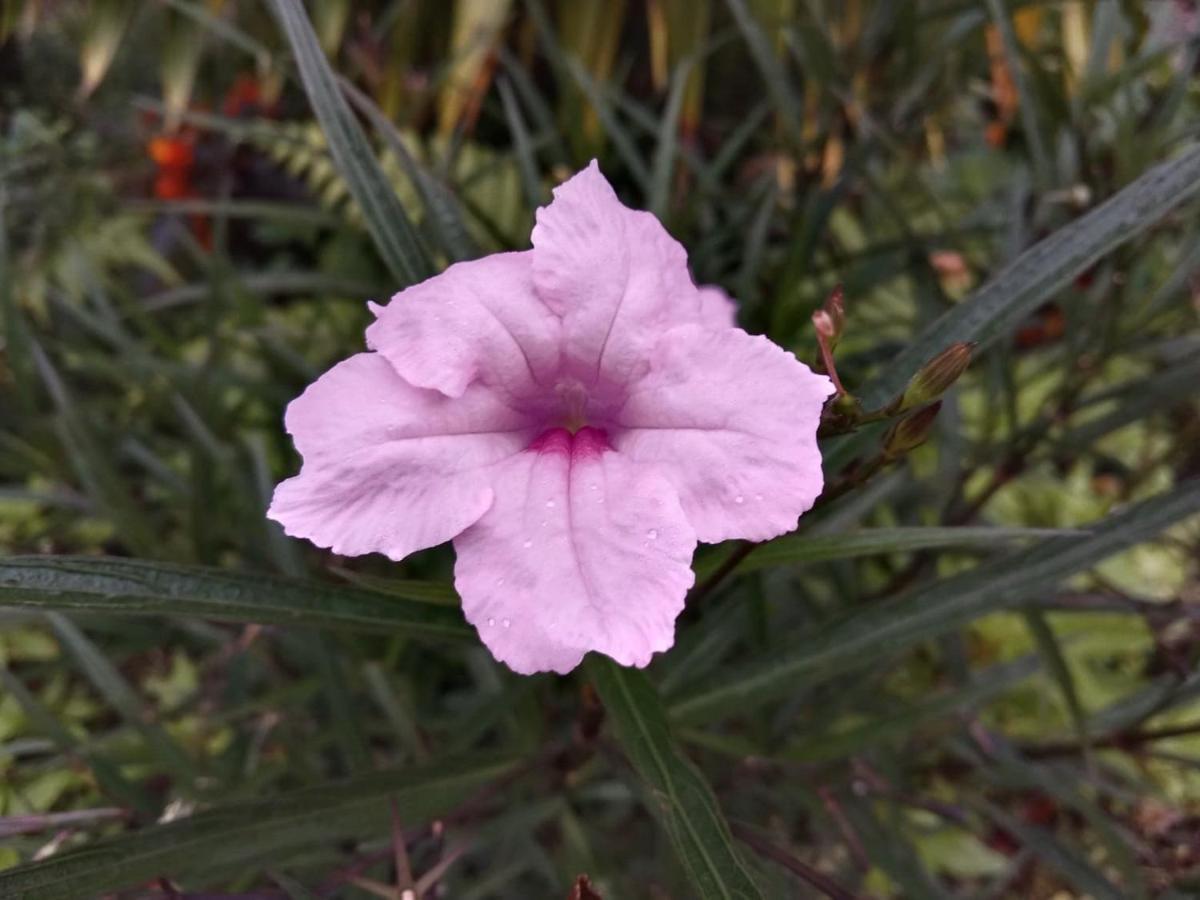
933	609
389	224
135	587
682	800
792	549
1045	267
253	833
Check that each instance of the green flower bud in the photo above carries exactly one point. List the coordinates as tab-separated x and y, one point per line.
937	375
910	432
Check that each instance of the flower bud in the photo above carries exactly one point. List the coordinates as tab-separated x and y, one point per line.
830	319
936	376
823	322
910	432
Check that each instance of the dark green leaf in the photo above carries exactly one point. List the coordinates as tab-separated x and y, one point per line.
663	167
802	548
1067	862
932	610
884	728
1056	664
108	775
252	833
110	684
527	167
126	587
387	220
769	65
1045	267
443	208
679	796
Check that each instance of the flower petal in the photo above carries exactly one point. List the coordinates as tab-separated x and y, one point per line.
582	550
717	308
388	467
614	275
731	420
478	319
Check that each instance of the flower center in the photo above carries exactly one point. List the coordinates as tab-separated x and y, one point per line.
585	443
573	400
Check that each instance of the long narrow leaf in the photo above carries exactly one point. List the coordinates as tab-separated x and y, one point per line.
127	587
113	687
254	833
443	208
1042	269
390	226
682	799
809	548
932	610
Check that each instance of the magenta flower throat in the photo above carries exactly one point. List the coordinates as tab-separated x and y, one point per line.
575	418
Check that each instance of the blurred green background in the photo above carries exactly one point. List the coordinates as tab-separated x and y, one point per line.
971	674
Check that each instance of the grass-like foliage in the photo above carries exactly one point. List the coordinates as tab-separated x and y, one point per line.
972	672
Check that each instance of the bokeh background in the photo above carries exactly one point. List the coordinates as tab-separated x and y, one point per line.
972	672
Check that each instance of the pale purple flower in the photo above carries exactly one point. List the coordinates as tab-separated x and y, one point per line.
575	418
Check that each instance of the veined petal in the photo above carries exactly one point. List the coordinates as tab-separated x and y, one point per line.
717	308
613	274
388	467
582	550
477	320
731	420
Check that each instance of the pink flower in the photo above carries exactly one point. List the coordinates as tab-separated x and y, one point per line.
575	418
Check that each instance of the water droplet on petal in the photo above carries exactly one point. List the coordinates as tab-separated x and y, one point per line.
491	622
652	534
758	497
506	623
739	499
499	581
549	504
527	544
593	486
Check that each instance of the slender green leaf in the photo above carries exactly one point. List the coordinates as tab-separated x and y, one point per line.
886	845
439	593
1067	862
116	690
291	213
1162	391
389	224
622	140
127	587
1056	664
1028	106
1042	269
268	283
895	726
808	548
16	341
253	833
92	460
443	208
663	166
223	28
527	168
1008	770
682	800
769	65
934	609
108	774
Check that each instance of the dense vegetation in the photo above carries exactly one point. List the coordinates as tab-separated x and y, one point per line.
971	673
